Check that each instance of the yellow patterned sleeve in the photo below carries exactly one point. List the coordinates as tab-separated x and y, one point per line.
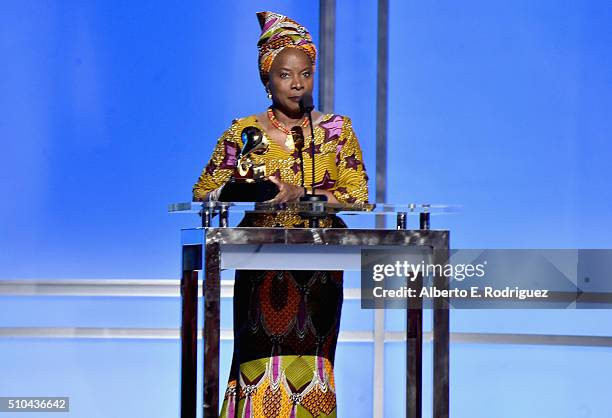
352	185
221	165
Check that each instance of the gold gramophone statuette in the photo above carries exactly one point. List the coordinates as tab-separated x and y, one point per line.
255	142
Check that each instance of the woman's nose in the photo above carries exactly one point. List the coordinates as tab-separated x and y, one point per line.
297	83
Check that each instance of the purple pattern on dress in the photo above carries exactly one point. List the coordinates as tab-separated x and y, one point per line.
326	182
231	407
333	128
247	407
339	149
352	162
275	368
295	167
230	158
320	368
211	167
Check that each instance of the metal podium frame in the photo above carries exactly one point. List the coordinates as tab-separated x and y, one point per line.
215	237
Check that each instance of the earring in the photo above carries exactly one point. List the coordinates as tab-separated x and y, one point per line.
269	95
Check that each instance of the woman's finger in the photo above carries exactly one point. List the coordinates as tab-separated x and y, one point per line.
280	196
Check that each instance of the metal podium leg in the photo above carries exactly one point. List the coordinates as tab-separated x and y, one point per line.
192	262
414	350
414	362
441	342
212	296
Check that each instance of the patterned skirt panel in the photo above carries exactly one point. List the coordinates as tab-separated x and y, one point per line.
286	327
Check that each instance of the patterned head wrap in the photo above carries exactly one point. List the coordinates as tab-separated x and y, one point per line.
277	33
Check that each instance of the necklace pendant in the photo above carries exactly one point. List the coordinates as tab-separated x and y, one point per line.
289	142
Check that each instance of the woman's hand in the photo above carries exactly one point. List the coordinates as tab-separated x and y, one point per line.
286	192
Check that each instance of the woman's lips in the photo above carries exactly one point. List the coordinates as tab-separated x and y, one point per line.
295	99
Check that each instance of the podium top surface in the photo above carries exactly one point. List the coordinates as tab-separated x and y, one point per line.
323	207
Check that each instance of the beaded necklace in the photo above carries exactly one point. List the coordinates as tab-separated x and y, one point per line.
278	125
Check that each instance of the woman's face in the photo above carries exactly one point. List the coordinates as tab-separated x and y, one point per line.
290	77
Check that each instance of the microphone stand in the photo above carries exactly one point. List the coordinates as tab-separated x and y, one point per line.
316	201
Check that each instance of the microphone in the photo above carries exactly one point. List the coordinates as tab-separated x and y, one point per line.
307	106
306	103
298	140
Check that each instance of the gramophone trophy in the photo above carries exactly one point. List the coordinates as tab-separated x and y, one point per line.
249	183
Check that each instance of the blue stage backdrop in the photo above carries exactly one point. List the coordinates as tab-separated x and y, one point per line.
109	110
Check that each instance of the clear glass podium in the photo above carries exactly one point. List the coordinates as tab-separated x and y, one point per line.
211	249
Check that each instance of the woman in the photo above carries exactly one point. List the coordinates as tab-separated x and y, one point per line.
286	322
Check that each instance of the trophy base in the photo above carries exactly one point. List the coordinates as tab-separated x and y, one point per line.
242	191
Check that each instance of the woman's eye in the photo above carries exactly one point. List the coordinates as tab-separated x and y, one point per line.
284	75
306	74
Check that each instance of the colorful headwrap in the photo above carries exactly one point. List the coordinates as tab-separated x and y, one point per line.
277	33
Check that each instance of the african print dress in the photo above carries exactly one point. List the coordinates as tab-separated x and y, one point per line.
286	322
